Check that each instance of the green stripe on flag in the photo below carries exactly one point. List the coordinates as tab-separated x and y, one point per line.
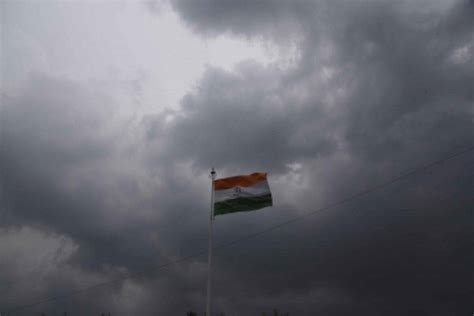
242	204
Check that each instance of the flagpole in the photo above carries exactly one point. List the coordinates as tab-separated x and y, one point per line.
209	253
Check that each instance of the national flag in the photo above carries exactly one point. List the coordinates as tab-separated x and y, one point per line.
241	193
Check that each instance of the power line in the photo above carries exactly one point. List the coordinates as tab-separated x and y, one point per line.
343	201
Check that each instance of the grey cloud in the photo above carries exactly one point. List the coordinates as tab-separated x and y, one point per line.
378	88
379	81
375	83
69	172
249	18
229	120
62	172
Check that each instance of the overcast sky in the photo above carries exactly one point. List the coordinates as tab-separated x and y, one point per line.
113	112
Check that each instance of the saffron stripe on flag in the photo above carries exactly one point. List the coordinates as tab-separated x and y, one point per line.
241	181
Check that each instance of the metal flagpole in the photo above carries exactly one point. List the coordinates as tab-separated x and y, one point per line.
209	253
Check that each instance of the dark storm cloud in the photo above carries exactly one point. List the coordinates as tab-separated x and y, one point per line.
249	18
371	71
67	172
245	117
381	84
376	88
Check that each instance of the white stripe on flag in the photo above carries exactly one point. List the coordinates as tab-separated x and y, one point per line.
258	189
